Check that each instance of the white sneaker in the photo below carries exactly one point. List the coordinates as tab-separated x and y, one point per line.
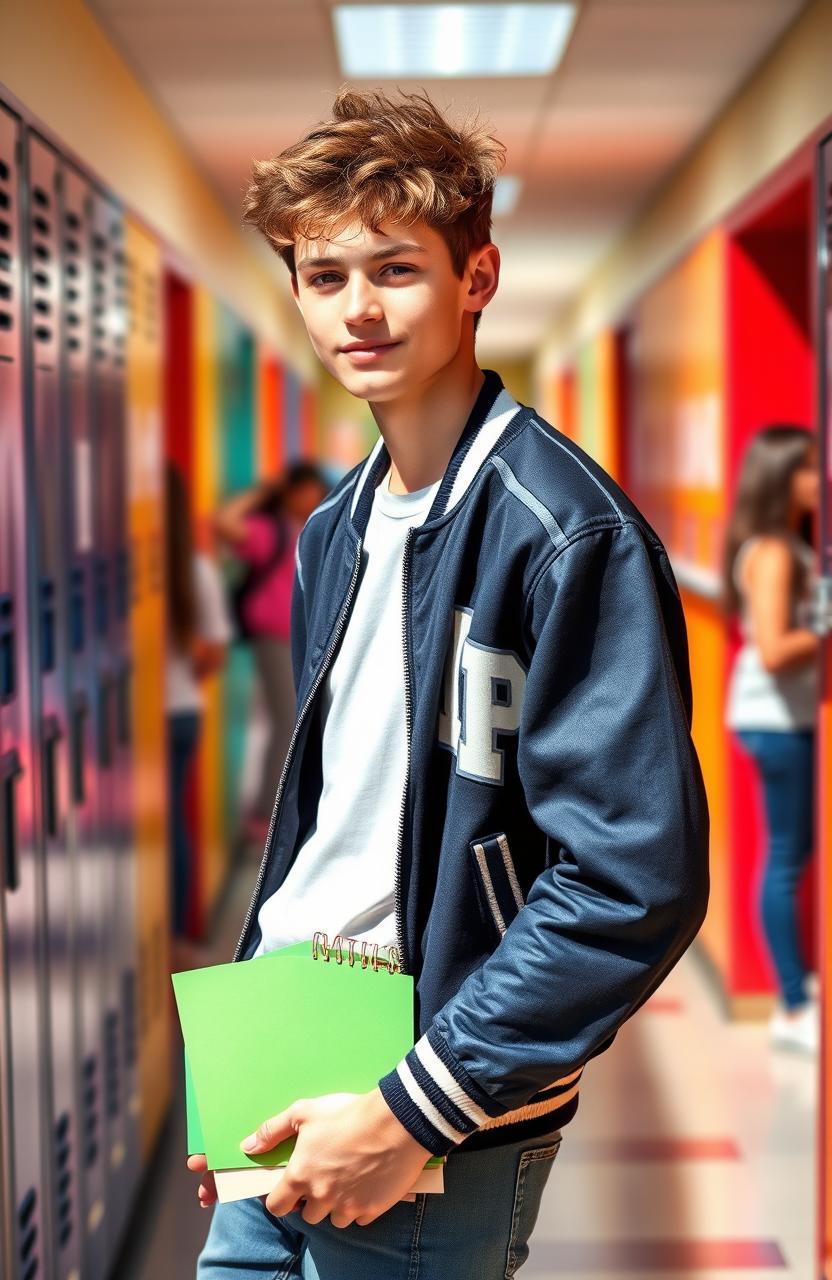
799	1032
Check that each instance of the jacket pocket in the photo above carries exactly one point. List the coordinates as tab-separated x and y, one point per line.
497	879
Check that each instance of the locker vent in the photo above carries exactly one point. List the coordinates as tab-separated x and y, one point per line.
160	986
143	982
72	296
90	1110
131	1051
63	1186
29	1262
113	1073
6	316
41	226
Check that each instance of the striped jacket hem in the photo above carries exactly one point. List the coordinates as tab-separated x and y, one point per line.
439	1104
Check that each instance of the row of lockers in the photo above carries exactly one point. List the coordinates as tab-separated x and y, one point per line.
84	1053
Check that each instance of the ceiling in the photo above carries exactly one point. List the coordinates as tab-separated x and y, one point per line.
639	83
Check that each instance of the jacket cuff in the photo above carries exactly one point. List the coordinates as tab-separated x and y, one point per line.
434	1098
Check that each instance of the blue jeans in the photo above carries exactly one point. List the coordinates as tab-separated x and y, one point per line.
785	763
183	738
478	1229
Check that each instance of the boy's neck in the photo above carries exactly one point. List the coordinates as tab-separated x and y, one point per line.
420	429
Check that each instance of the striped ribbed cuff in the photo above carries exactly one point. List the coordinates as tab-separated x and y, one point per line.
434	1098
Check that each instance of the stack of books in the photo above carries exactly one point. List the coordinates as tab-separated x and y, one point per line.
308	1020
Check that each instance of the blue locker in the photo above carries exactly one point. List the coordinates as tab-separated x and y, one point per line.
112	640
91	906
47	474
22	1047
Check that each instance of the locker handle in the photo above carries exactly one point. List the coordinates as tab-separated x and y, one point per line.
47	625
80	711
11	770
105	739
7	654
123	703
77	628
52	735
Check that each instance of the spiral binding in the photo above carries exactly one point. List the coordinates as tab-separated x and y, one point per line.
343	950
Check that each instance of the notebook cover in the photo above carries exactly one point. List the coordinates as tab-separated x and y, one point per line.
262	1033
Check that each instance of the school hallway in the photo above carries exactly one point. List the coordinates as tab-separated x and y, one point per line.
690	1157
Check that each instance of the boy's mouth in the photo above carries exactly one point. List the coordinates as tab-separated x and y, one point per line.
367	352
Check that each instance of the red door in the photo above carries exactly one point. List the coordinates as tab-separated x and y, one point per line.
824	613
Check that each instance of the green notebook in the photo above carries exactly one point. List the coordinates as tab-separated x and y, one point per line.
262	1033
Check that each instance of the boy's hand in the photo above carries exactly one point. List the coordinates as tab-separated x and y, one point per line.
352	1160
207	1190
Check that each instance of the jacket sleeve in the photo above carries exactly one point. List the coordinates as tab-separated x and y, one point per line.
610	774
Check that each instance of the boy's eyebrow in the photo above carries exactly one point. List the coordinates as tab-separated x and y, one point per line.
392	251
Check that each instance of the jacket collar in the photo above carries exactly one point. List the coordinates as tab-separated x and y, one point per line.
493	410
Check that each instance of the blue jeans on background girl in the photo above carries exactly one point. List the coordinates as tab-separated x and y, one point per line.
183	737
478	1229
785	761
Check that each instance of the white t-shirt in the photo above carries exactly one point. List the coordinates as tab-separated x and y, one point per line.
343	878
213	624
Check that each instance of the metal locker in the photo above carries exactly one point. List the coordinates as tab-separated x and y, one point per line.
48	474
90	902
24	1236
112	589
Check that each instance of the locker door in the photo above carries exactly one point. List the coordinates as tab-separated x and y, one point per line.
146	495
90	904
824	611
23	1233
113	590
48	475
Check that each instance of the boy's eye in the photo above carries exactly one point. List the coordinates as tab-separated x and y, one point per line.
326	277
399	267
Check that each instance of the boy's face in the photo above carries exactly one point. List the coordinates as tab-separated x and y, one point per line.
384	310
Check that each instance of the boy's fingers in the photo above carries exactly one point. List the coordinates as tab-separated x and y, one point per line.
271	1132
207	1190
197	1164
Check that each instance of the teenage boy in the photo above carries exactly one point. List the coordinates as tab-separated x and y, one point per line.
492	767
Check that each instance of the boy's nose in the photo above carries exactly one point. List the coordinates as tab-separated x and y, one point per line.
362	303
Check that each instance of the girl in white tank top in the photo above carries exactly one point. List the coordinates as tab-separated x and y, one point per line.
772	703
762	699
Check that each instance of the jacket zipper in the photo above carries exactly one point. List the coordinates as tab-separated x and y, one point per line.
408	711
322	670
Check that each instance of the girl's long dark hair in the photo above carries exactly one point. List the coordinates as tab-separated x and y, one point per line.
180	553
761	504
296	475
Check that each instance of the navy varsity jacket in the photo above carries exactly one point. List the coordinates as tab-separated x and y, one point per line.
552	850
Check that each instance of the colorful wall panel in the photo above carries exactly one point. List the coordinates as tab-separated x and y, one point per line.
212	851
599	406
675	463
237	458
269	449
146	520
309	442
292	415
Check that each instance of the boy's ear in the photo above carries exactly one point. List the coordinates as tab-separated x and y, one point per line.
484	276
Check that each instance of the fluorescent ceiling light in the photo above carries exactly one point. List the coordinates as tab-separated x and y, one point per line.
506	192
436	40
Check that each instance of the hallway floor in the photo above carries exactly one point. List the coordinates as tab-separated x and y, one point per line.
691	1157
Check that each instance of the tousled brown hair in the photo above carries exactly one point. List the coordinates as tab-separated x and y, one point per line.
763	497
379	159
